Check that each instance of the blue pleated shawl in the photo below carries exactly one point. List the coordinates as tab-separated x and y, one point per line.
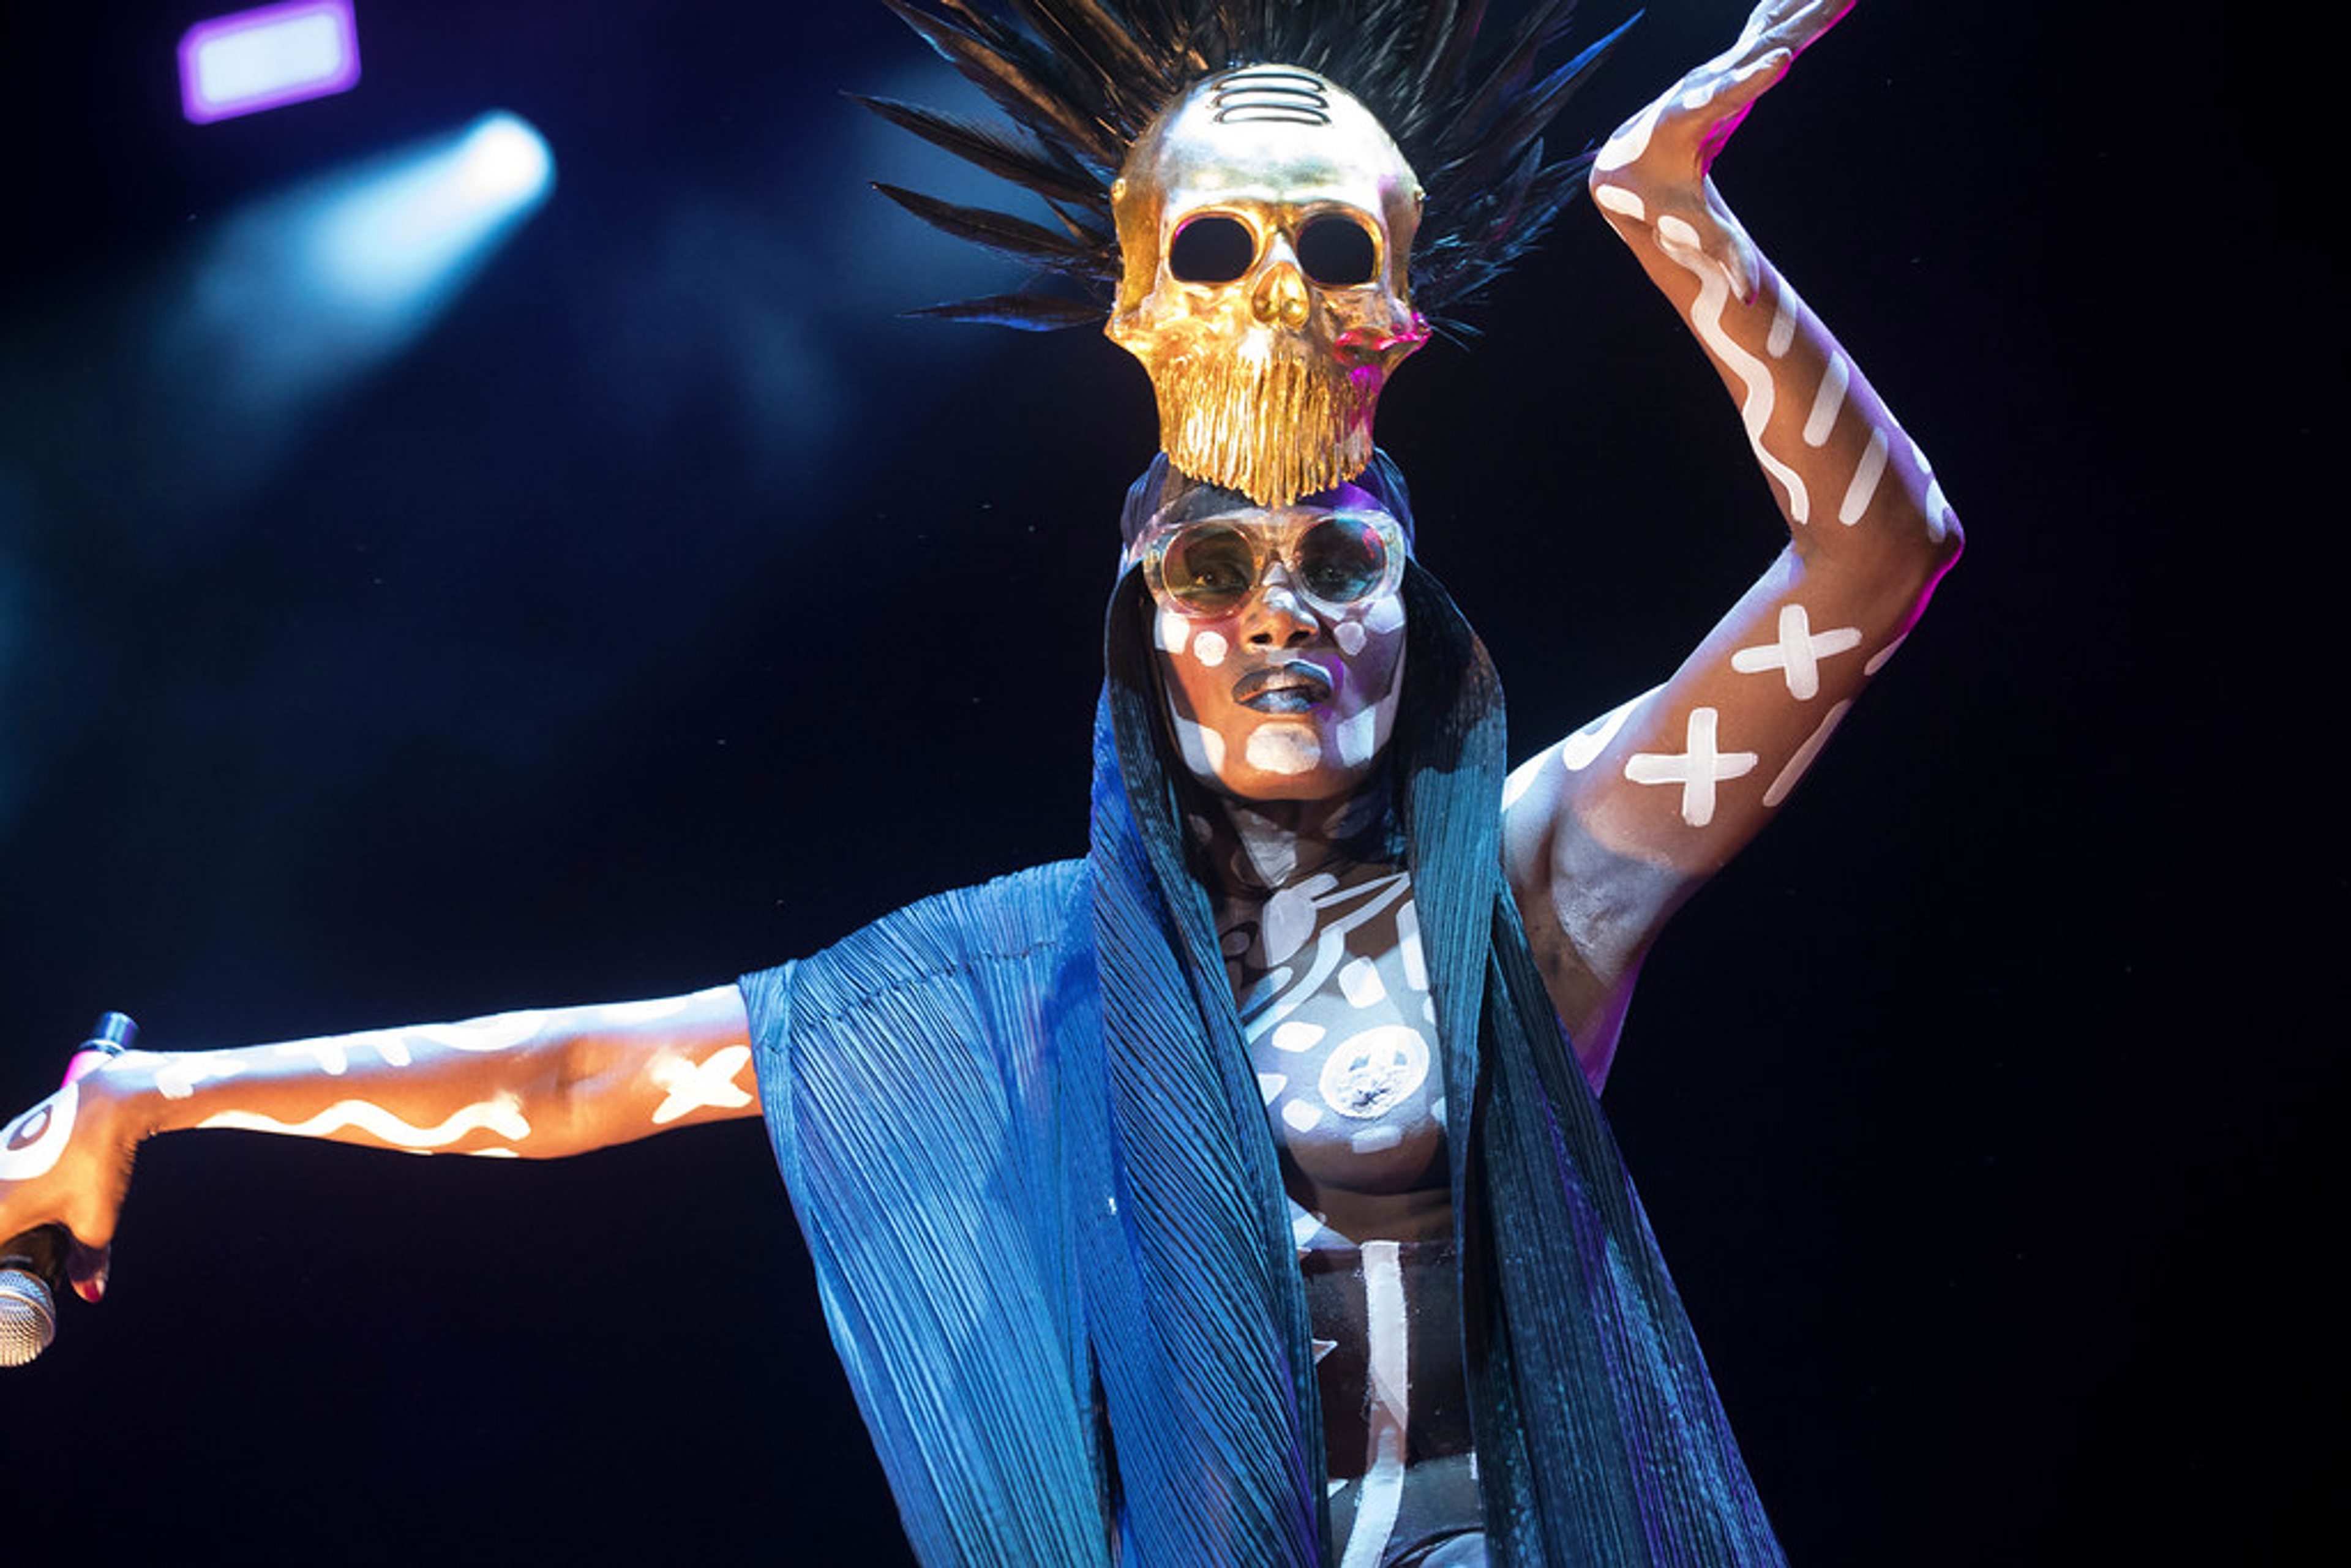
1024	1144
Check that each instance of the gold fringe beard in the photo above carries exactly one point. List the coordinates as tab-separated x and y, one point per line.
1274	425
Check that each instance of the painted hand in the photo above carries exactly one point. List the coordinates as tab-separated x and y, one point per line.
1652	171
64	1163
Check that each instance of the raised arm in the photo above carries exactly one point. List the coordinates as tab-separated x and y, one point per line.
1608	830
523	1084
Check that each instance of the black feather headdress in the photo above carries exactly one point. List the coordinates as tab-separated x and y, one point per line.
1080	79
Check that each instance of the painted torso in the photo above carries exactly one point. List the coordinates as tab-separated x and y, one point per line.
1323	946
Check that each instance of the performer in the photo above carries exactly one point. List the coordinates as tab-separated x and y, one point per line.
1228	1195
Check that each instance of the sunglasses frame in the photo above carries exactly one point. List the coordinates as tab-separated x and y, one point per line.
1270	536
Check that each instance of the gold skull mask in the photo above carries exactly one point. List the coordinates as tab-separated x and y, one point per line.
1265	227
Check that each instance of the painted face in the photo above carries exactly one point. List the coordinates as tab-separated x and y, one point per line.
1291	693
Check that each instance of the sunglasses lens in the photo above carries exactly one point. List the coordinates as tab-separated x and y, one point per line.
1342	560
1208	569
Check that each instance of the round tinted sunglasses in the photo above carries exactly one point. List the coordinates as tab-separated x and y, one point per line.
1210	566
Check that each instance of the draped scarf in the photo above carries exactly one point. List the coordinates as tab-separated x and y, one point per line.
1600	1438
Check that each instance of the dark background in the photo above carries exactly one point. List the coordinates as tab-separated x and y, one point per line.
672	608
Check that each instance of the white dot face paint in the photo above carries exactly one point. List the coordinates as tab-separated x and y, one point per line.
1286	748
32	1144
1173	632
1203	749
1283	698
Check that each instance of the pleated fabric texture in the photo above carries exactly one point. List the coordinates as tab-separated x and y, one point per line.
1022	1137
908	1079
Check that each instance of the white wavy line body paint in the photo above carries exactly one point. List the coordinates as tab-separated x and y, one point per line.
1387	1344
1858	495
1801	762
691	1087
31	1144
1877	660
502	1115
1680	243
177	1078
1696	770
1828	401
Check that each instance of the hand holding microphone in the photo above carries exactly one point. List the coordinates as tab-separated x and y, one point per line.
33	1265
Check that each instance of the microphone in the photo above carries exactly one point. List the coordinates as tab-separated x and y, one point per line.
32	1269
33	1265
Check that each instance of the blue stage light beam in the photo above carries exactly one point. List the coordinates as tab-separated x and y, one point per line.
397	242
294	300
313	286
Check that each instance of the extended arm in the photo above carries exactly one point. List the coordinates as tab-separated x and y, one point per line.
1608	830
530	1084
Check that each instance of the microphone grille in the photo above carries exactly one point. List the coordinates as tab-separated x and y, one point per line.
28	1317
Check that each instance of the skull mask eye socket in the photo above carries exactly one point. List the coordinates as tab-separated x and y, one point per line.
1211	249
1336	251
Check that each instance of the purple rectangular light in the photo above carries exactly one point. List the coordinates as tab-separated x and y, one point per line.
272	54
